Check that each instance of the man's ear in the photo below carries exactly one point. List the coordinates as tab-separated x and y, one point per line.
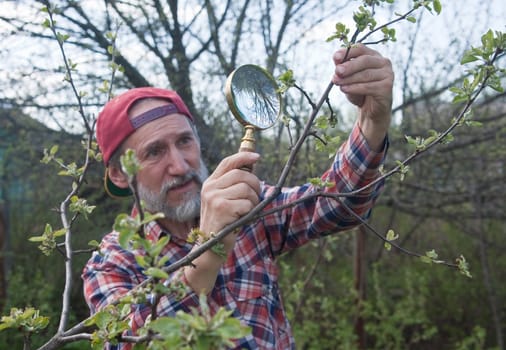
117	177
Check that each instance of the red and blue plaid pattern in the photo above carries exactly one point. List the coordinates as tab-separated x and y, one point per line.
247	283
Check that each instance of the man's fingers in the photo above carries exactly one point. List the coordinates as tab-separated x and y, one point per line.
364	68
363	65
354	52
364	73
227	198
248	189
235	161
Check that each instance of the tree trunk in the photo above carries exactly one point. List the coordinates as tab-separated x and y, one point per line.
485	266
360	284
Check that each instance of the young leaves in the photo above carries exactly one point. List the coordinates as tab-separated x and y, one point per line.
110	323
48	239
26	320
486	73
391	236
198	330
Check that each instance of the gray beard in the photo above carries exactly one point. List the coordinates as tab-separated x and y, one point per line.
189	210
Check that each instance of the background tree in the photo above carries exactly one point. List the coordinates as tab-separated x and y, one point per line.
192	48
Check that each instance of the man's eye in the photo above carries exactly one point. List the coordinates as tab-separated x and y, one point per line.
186	140
153	152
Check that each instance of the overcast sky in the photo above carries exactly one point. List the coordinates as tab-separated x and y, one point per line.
461	20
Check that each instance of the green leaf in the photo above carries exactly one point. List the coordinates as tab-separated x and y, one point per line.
463	266
157	273
165	325
46	23
456	90
448	138
53	150
26	320
341	33
59	233
141	260
431	257
129	163
62	37
487	40
157	248
316	181
431	254
162	261
286	81
468	57
94	243
391	236
219	249
151	217
127	227
437	6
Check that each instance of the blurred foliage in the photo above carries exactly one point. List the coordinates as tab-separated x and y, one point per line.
406	302
30	194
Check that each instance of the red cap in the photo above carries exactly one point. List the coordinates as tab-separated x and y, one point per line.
114	124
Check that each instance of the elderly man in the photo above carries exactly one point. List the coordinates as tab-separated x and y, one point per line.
157	125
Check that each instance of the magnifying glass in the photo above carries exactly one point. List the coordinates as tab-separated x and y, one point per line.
253	97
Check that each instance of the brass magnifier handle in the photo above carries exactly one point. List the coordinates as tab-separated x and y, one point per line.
248	140
248	143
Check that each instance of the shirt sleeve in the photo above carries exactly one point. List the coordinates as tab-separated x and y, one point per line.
113	272
355	167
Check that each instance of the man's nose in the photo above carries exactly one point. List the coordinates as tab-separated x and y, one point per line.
177	163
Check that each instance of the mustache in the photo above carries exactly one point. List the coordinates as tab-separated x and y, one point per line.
180	180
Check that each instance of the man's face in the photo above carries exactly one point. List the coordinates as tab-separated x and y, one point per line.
172	171
189	207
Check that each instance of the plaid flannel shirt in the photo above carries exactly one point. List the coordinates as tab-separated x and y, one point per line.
248	281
